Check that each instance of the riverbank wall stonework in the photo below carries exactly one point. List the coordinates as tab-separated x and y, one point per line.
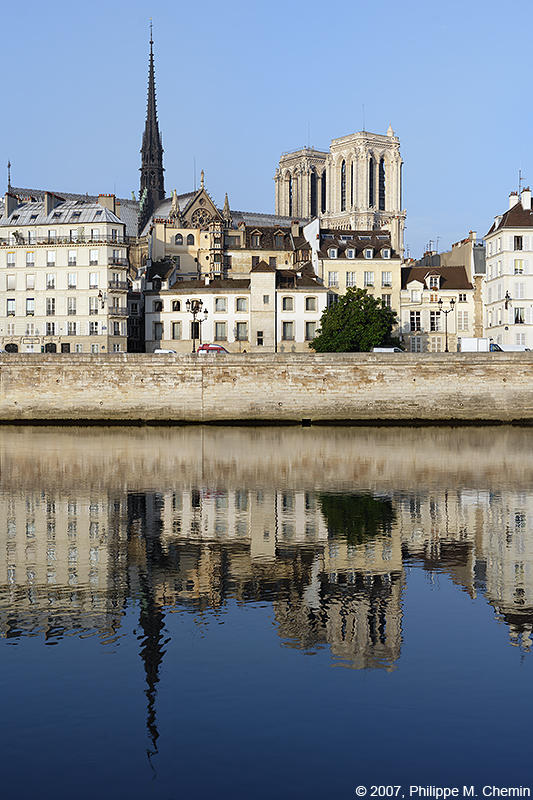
283	388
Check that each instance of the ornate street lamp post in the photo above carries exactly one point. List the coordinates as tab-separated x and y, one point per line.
446	312
194	307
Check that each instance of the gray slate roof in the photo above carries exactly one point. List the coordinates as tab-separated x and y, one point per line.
74	212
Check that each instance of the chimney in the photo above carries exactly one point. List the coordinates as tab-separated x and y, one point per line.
11	202
513	199
51	200
107	201
473	236
525	198
295	227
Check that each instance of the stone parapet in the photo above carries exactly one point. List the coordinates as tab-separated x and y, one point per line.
365	388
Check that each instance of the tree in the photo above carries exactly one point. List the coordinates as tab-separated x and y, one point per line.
357	322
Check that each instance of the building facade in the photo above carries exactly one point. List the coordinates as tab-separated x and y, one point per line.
508	285
63	276
357	185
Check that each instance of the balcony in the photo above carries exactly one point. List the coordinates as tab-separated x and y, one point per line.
117	311
118	262
93	311
104	238
118	284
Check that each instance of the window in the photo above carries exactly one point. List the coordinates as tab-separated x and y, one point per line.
71	306
287	331
241	304
51	236
190	239
414	320
260	338
332	252
462	320
30	306
256	240
94	349
386	279
369	278
520	338
434	320
433	281
93	328
72	280
10	282
350	253
518	266
10	262
272	261
310	331
519	290
385	253
333	278
93	258
71	328
50	306
93	306
176	330
10	328
30	329
416	296
158	305
241	331
462	298
220	332
350	279
116	349
93	280
310	303
436	344
30	281
50	280
50	329
116	329
343	186
78	348
519	315
266	299
387	300
517	242
95	234
368	252
415	344
255	261
50	258
381	184
30	259
287	304
220	304
278	241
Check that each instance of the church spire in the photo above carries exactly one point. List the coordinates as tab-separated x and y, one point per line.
152	191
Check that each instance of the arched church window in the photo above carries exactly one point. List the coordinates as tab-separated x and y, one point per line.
351	185
290	195
178	239
343	186
371	193
381	184
313	194
190	238
323	193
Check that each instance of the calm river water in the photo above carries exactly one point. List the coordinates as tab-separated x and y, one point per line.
263	612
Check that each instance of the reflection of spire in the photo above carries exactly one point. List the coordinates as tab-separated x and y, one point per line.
151	619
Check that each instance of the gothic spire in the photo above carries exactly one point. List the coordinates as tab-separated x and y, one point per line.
152	191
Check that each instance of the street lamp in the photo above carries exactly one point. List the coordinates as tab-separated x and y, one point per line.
446	312
507	299
195	308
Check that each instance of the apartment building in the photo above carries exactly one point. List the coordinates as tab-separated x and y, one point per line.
63	275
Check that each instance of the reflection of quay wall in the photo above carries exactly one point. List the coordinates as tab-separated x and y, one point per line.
336	459
280	387
61	556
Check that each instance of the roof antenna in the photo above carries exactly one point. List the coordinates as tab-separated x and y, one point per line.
9	176
519	181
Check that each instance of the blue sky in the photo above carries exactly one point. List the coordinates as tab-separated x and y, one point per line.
239	83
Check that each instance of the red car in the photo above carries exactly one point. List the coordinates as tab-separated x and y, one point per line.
211	348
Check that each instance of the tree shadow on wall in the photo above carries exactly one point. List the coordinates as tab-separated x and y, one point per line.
356	517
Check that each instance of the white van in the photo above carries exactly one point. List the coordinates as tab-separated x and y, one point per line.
387	350
164	352
513	348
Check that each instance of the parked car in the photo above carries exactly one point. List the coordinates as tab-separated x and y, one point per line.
166	352
387	350
211	348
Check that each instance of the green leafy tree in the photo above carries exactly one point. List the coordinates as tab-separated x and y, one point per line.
356	517
357	322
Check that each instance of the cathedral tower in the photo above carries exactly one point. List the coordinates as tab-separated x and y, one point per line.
152	191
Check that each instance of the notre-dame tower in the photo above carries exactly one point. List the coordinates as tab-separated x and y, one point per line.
152	191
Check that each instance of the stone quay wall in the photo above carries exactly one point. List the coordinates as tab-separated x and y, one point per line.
362	388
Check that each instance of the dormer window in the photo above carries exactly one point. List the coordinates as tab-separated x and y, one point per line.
434	281
278	240
350	253
385	253
332	252
368	252
256	240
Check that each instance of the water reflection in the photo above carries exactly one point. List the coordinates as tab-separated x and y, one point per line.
321	524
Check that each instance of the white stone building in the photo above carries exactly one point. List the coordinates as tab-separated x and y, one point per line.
508	285
63	275
357	185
